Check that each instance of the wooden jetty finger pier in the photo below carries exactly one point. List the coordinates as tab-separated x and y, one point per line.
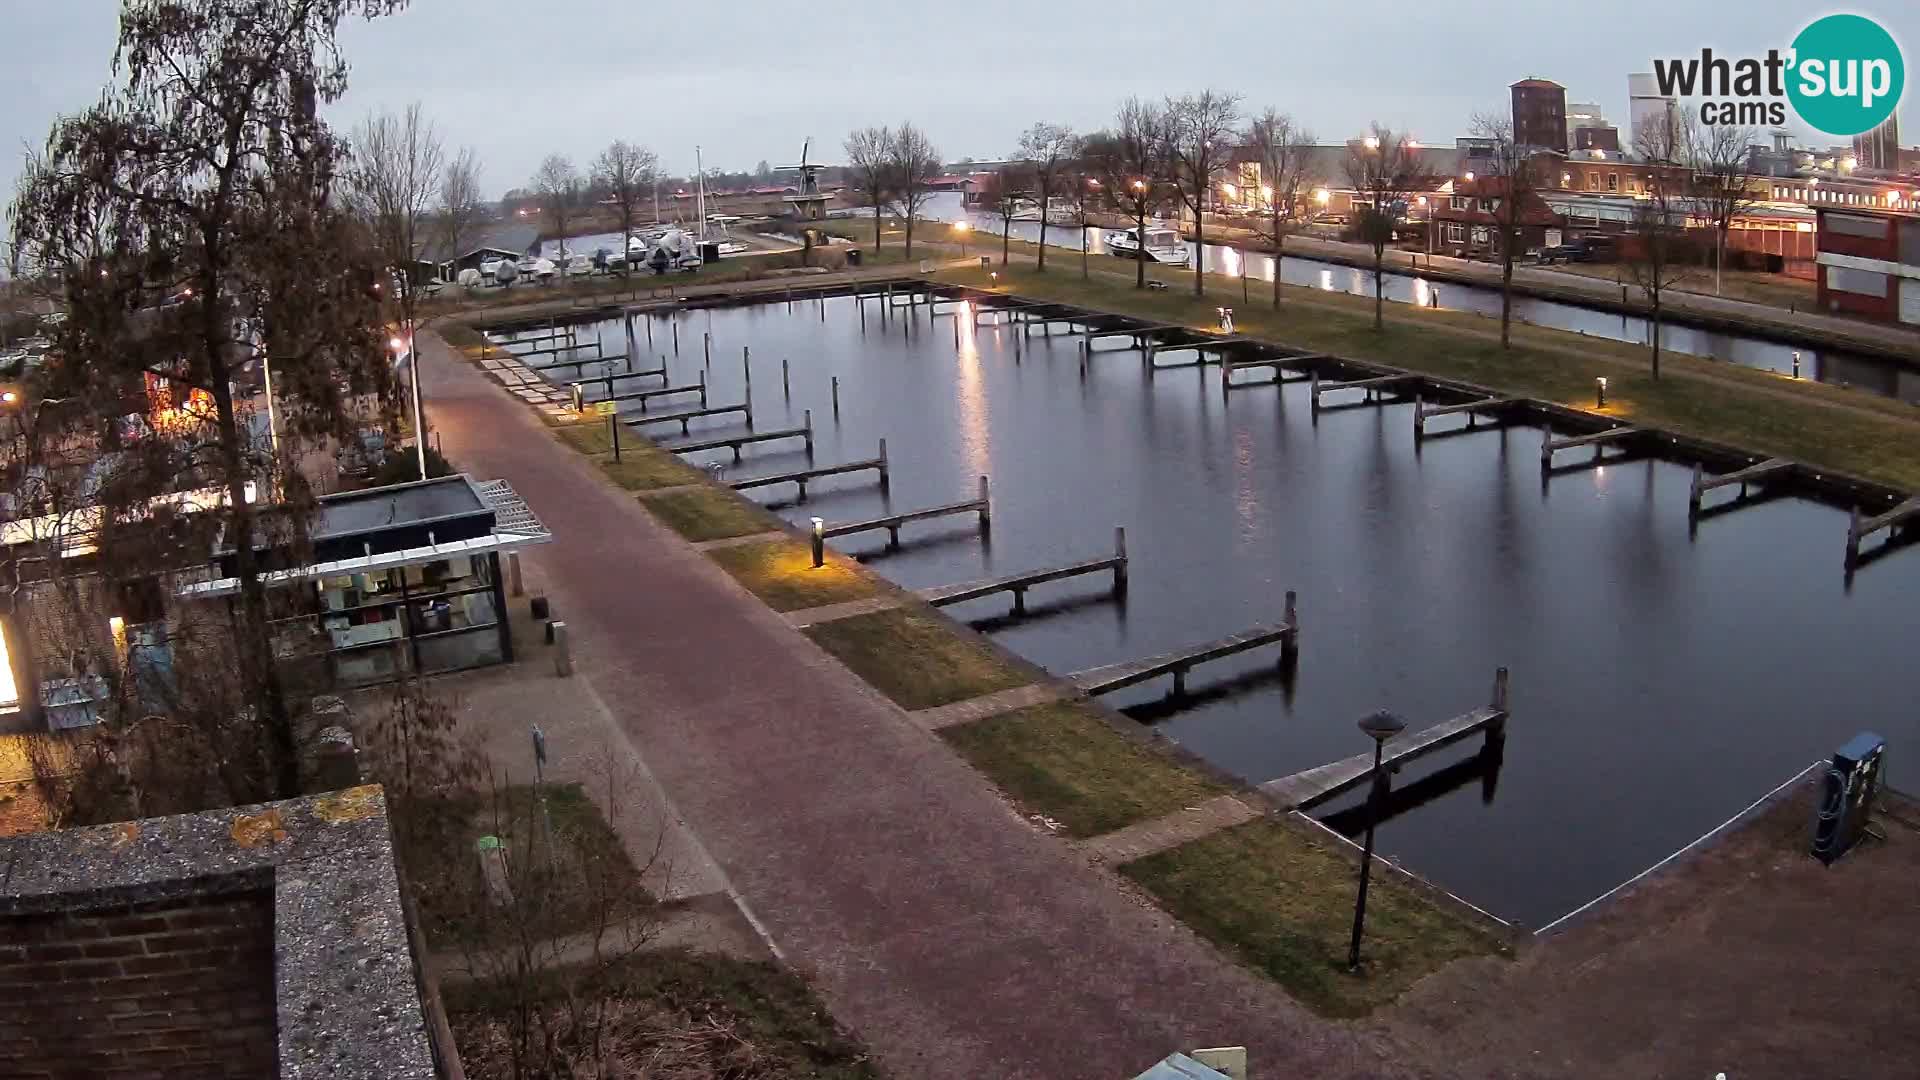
1177	663
735	442
802	477
892	522
1018	584
1306	789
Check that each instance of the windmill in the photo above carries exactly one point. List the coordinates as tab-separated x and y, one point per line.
810	204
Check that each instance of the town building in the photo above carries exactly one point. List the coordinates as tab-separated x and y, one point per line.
1869	263
1540	114
439	261
396	580
1648	111
1879	148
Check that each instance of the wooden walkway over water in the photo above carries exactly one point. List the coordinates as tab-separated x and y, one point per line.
690	414
1310	787
1703	483
1105	680
1599	439
735	442
892	522
1858	528
1018	584
802	477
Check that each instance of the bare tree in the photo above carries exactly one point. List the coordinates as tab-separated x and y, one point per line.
1722	182
558	183
1200	133
1287	182
1010	194
461	205
393	181
1131	164
185	216
1504	188
913	163
1387	168
1086	191
1655	258
1050	151
627	171
869	161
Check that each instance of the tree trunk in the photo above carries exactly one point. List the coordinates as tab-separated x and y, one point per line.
1653	336
1140	248
1379	286
1506	295
910	209
1719	257
876	229
1199	247
1042	266
1006	236
1085	271
1279	242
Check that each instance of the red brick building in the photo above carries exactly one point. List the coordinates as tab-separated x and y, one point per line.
1869	263
1540	114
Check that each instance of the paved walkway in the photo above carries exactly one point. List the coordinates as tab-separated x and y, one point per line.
956	939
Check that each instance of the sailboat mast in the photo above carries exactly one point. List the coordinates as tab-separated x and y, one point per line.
700	191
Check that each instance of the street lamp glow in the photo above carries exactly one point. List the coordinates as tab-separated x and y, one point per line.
1139	185
962	226
1266	191
1321	195
1229	190
1469	176
396	344
1370	143
819	540
9	397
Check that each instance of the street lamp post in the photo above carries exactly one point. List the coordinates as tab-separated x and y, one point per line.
1380	727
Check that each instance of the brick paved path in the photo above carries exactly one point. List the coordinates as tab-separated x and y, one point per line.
957	940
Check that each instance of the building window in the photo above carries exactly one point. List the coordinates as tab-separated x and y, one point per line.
1862	282
1593	181
1855	225
1613	181
1455	233
1458	202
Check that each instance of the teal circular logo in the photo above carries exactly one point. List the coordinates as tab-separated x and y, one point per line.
1847	74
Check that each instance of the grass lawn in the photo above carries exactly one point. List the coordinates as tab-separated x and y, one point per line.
1281	901
683	1013
916	660
781	573
1844	430
1062	760
641	466
709	514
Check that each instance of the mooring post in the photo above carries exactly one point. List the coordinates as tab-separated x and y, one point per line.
1420	418
676	336
747	400
1853	537
514	585
1120	559
986	506
1546	446
862	305
1497	731
649	329
706	347
836	397
746	364
609	382
703	389
809	426
823	307
1693	494
1290	644
785	386
562	649
1313	390
885	480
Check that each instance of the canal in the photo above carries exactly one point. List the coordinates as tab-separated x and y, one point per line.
1873	374
1660	682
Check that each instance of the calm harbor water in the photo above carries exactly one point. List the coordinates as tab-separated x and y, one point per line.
1660	684
1878	376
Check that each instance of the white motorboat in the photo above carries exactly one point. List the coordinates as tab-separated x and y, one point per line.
1163	245
1025	210
1062	212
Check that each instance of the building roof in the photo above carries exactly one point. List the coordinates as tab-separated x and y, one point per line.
506	239
1538	84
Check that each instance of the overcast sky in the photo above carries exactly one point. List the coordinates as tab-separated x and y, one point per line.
748	80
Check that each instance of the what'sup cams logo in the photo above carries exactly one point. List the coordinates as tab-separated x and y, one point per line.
1843	75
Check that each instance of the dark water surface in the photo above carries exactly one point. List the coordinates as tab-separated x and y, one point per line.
1660	684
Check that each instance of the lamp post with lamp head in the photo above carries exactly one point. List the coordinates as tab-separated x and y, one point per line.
1379	727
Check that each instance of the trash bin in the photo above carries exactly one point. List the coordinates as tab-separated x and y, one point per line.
853	256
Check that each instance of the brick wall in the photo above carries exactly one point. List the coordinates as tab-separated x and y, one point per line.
173	989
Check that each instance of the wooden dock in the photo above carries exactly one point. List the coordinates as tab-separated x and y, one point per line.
1310	787
802	477
1280	366
546	350
691	414
1702	483
1105	680
645	396
1550	445
735	442
1371	385
1018	584
892	522
1858	528
608	380
1423	412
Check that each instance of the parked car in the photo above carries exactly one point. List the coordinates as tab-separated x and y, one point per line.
491	267
579	265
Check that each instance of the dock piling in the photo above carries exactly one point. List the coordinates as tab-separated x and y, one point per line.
706	348
1290	645
786	387
836	398
703	389
886	470
1120	560
676	336
808	424
746	365
986	507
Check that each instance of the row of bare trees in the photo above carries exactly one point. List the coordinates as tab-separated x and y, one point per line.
892	167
